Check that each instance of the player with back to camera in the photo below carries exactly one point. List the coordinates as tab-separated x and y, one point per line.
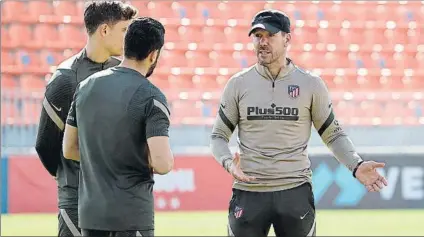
274	104
117	120
105	23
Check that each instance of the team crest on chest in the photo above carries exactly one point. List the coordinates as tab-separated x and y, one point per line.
294	91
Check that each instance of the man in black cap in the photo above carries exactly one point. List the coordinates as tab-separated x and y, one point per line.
105	23
274	103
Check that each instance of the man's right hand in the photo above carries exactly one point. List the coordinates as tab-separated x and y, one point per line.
236	171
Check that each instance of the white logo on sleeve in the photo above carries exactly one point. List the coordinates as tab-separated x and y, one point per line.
303	217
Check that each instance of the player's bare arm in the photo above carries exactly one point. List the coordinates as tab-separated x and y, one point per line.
161	158
70	138
224	126
52	121
338	142
70	143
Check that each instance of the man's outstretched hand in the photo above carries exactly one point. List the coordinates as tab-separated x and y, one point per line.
367	174
236	171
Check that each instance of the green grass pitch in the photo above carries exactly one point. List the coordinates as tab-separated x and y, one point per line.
329	223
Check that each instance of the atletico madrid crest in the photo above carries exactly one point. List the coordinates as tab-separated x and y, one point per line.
294	91
238	212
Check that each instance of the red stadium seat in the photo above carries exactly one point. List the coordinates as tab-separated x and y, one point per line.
65	8
180	82
391	83
214	34
224	60
328	36
31	111
39	8
20	34
6	42
7	59
9	113
237	34
28	59
190	34
45	35
198	59
185	108
170	58
72	36
209	9
7	82
205	83
164	9
13	10
50	58
31	83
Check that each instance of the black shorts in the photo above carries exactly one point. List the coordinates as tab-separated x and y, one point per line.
291	213
130	233
68	222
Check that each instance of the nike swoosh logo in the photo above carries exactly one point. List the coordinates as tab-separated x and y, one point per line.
223	106
56	108
303	217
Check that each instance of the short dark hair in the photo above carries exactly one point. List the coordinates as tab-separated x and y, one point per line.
109	12
144	35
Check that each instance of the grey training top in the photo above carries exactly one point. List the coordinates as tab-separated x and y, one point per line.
116	111
56	104
274	119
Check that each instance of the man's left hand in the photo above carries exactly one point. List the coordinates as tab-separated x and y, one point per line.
367	174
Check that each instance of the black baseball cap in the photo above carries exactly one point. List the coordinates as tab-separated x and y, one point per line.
271	20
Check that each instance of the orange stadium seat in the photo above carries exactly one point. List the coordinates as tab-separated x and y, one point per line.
205	83
9	113
28	59
327	35
160	81
181	82
164	9
20	34
71	36
208	9
141	7
170	58
31	110
13	10
65	8
7	59
213	34
190	34
39	8
185	108
391	83
7	82
198	59
31	83
6	42
45	35
237	34
224	60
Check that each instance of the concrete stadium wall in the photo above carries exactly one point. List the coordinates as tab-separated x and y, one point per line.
199	183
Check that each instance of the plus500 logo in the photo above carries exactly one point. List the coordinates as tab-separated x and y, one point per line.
410	179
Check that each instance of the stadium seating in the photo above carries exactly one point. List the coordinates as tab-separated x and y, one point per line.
371	54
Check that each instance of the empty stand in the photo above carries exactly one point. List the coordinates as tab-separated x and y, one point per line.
37	9
66	8
371	50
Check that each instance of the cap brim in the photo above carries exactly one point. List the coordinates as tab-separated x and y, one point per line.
264	26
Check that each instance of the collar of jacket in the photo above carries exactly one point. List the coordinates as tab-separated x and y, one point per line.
265	73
